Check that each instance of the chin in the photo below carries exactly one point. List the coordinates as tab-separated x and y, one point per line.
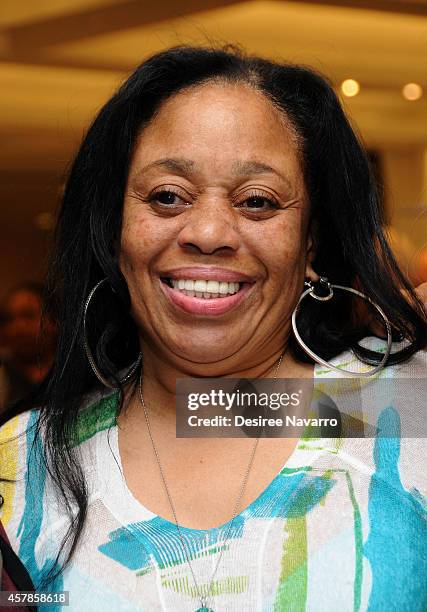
204	351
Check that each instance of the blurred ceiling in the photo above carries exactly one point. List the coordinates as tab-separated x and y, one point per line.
61	59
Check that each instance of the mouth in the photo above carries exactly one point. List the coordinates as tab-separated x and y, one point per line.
205	297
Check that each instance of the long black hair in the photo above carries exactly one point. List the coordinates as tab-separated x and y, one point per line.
347	223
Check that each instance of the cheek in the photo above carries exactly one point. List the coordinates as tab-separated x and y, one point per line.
141	241
281	249
132	250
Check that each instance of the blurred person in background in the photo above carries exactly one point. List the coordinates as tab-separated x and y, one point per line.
26	348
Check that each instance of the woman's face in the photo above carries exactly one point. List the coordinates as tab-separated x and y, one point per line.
214	243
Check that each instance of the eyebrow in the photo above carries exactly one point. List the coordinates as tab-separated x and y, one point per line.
173	164
182	165
252	167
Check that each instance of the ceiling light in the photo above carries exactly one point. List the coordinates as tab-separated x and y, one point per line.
350	88
412	91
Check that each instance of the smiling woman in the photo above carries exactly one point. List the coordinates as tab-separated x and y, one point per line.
211	195
206	223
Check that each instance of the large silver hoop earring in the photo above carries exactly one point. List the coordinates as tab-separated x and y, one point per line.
134	367
310	291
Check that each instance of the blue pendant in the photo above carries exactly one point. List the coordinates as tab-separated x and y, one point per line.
204	610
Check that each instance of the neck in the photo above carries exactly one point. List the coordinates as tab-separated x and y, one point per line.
160	375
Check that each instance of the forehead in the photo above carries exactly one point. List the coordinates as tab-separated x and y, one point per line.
221	123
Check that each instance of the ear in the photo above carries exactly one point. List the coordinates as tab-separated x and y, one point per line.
310	255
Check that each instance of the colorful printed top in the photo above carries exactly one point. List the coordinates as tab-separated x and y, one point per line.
342	527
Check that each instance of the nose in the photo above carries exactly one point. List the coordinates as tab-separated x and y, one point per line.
210	228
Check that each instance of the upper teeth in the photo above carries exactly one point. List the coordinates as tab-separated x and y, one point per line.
203	286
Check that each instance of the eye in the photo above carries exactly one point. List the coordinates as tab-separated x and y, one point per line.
167	199
258	203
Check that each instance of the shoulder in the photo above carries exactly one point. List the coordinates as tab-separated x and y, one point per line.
22	435
18	450
97	413
414	367
390	407
393	399
30	497
16	437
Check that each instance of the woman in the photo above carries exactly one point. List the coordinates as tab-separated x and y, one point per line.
208	190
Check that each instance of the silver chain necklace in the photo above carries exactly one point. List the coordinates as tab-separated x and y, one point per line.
203	598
